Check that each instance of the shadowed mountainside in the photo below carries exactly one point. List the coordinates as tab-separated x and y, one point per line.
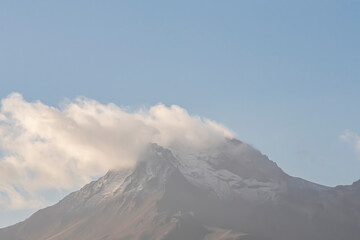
231	192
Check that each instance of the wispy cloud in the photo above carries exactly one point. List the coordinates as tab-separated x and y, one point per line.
46	147
352	138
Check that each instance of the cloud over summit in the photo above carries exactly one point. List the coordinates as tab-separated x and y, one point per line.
45	147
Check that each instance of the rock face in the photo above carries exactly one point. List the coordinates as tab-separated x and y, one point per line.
231	192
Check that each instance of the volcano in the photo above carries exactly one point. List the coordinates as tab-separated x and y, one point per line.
229	192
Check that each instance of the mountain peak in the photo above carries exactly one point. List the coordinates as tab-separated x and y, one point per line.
173	194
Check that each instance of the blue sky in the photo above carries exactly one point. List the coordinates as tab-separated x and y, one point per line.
283	75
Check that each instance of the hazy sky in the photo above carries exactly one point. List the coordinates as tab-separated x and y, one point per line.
283	76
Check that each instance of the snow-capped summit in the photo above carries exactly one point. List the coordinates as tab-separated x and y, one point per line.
231	191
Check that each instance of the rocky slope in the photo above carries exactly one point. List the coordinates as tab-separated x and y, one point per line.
231	192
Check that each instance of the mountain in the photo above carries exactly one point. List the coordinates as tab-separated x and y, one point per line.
228	192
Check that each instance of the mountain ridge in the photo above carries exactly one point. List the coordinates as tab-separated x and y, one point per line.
170	194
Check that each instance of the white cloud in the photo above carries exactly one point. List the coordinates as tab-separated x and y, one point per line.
45	147
352	138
